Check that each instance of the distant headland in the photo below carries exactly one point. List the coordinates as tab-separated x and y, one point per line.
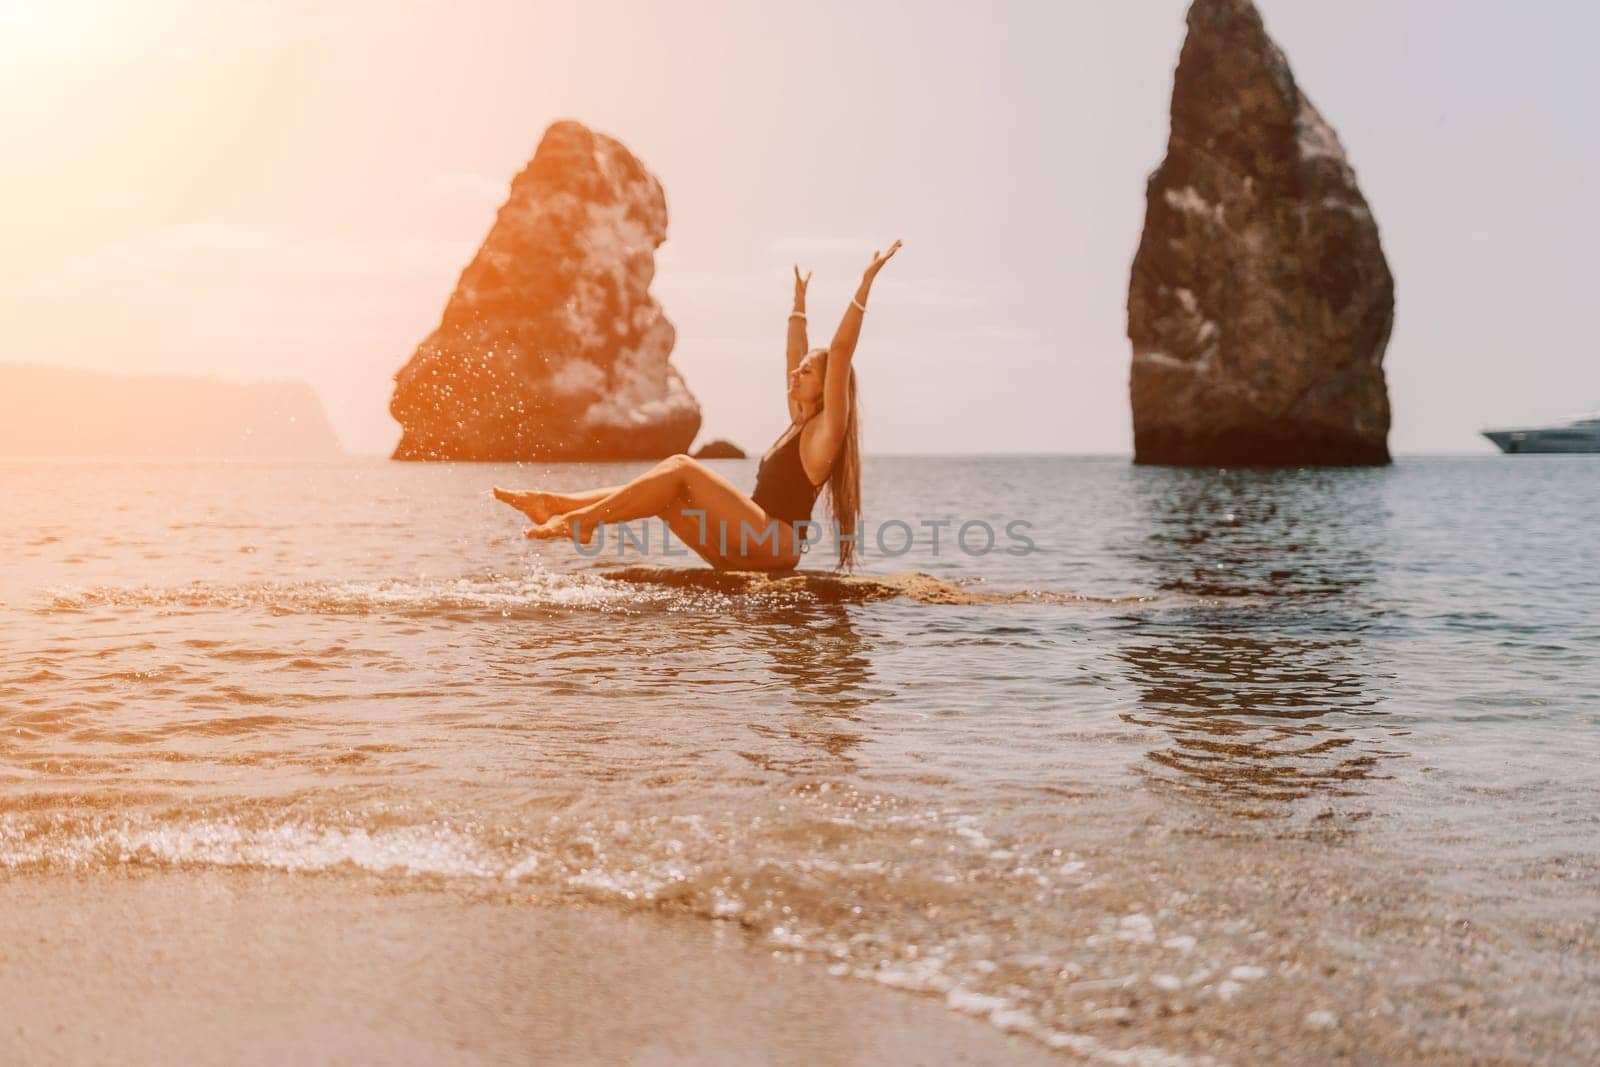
70	413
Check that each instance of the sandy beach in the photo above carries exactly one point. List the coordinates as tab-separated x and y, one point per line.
244	968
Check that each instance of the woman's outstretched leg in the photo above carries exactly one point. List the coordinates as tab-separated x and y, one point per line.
539	505
647	496
706	512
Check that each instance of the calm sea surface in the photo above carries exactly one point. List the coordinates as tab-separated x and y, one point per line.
1307	763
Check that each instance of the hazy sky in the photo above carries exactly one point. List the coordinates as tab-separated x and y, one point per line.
289	190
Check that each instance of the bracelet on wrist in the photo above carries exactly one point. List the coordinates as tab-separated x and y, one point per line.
859	306
797	314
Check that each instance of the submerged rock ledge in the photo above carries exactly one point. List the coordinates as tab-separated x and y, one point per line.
841	588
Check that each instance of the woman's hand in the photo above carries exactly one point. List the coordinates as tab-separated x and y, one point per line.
800	283
880	258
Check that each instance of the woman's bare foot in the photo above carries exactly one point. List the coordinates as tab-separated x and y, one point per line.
557	527
552	529
537	505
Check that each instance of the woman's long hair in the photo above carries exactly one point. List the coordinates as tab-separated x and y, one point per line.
844	481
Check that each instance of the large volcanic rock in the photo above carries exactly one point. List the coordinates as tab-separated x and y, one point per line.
1260	303
552	347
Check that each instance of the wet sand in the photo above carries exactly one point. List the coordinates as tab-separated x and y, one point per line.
247	968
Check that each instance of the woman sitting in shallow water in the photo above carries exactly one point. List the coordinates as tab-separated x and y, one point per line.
708	513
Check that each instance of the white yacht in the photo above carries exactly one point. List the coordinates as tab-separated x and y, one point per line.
1578	434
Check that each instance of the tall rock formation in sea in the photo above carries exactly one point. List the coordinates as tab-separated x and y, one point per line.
1260	303
551	347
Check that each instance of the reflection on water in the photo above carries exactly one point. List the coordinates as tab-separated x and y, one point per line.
819	654
1306	533
1266	694
1253	718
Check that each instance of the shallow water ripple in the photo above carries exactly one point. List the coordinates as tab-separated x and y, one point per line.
1236	759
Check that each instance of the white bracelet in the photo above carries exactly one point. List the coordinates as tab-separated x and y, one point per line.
858	305
797	314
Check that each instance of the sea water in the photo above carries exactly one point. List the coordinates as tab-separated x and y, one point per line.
1231	762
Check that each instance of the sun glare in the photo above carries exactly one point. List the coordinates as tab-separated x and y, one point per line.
63	30
29	26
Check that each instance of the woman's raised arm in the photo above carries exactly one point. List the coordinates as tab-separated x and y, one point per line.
836	386
798	345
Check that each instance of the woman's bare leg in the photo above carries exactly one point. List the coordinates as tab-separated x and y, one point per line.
539	505
733	530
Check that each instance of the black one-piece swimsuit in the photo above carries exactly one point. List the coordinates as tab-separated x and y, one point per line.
782	488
